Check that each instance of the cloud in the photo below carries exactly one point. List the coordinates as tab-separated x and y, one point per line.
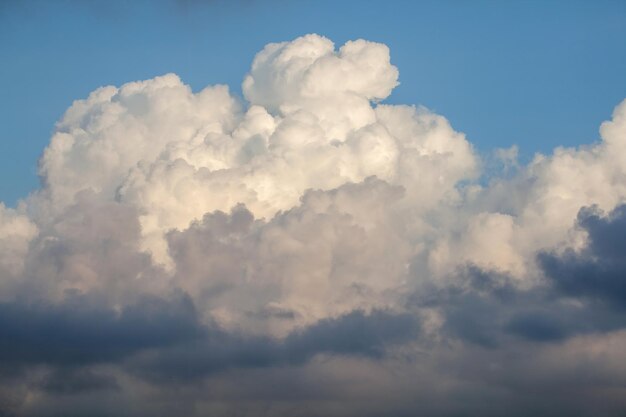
317	260
487	309
309	250
78	332
75	381
353	334
16	231
599	270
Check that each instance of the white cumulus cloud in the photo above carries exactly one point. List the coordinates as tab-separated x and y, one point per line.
305	210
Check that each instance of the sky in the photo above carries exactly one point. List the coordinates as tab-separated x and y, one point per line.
302	209
530	73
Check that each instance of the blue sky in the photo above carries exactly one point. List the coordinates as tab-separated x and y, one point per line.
536	74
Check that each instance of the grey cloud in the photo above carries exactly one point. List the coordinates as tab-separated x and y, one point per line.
78	332
599	271
472	319
483	308
537	326
297	262
66	381
92	244
353	334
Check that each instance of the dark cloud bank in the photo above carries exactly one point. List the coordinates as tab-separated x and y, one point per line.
82	348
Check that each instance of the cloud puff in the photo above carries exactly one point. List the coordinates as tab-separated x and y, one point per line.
155	144
189	252
16	231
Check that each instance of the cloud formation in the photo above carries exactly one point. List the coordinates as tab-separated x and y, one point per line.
308	250
599	271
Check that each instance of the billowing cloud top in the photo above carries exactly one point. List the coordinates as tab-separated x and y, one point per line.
344	250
